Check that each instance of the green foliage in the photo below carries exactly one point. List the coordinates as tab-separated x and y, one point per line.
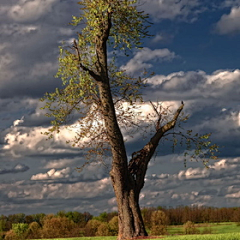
197	146
127	23
113	225
102	217
80	66
2	224
20	229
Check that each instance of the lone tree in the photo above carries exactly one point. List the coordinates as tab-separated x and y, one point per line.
105	100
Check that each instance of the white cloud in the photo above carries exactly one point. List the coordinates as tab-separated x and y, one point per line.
171	9
229	23
222	85
222	164
23	141
18	122
233	195
30	10
53	174
194	173
142	58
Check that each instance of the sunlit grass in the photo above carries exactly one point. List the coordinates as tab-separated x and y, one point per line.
225	236
227	227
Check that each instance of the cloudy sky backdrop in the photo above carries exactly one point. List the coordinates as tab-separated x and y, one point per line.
195	54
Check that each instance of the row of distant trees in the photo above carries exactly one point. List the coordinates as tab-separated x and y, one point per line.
75	224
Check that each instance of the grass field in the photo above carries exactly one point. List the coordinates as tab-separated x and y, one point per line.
206	228
225	236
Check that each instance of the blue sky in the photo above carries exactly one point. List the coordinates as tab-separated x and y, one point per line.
194	52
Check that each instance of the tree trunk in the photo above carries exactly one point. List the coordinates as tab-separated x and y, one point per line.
127	178
128	190
130	220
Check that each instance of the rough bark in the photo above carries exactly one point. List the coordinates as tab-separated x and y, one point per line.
127	178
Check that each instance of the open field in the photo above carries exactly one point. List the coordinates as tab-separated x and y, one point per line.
225	236
205	228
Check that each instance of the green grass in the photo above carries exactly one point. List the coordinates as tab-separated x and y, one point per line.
225	236
214	228
84	238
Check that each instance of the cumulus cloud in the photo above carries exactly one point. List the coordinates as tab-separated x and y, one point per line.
53	174
38	191
27	141
29	45
222	85
196	173
229	23
18	121
171	9
142	59
160	189
30	10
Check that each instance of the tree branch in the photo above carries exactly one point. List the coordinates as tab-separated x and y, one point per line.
84	68
138	164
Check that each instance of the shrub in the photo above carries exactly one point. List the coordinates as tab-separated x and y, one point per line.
34	231
92	227
158	230
20	229
159	222
113	225
103	230
55	227
11	235
190	228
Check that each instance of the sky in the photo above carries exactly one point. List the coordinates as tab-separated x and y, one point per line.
194	52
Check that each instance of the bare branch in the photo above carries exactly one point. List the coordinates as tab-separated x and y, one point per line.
159	116
171	124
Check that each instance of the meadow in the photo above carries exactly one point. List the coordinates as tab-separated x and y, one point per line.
208	228
225	236
219	231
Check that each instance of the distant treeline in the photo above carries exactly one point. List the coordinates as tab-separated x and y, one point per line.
76	224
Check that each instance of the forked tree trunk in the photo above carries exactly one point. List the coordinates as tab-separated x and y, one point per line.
127	178
128	183
130	220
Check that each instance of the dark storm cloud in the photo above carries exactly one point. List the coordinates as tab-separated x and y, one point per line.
16	169
30	37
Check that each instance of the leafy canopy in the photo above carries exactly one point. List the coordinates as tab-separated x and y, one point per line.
121	26
79	94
